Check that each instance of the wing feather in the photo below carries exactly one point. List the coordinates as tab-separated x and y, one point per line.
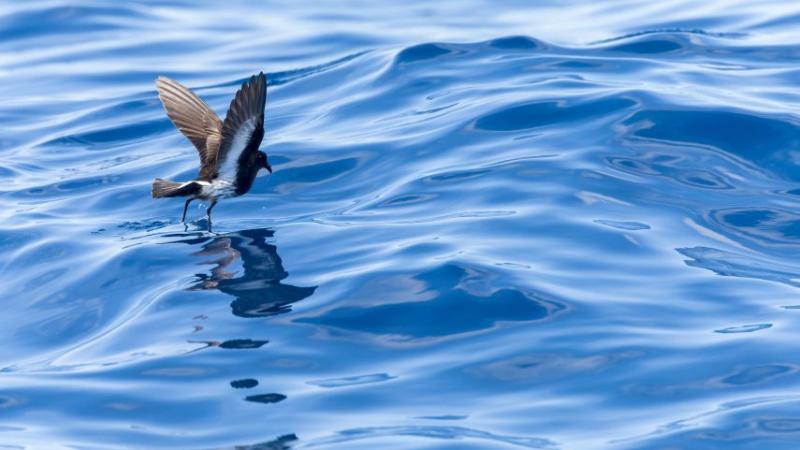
244	124
195	119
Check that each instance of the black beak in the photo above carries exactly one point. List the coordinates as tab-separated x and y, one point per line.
269	168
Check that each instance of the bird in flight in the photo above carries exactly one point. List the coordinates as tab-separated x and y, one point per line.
228	150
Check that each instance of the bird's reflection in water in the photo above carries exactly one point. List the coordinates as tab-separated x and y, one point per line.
249	269
257	286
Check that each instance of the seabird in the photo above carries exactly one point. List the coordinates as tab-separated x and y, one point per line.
229	155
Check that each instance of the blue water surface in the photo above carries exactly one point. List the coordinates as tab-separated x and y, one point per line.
563	225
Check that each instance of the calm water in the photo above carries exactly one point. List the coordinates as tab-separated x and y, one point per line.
570	226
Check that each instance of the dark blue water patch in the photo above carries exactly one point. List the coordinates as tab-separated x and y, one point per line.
769	227
744	328
277	160
731	264
459	305
457	175
242	344
266	398
431	111
245	383
632	165
745	135
422	52
780	425
703	179
313	173
516	43
576	64
540	114
236	344
758	374
405	200
444	417
681	169
8	172
509	46
747	218
766	141
650	46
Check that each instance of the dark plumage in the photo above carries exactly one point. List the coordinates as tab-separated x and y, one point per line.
229	155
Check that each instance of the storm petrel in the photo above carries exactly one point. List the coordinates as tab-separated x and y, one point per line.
229	155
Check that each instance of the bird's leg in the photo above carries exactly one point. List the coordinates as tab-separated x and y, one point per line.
186	208
208	213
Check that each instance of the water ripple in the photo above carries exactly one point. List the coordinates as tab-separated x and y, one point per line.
449	433
474	237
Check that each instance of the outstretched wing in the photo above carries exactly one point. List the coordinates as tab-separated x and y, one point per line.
243	128
195	119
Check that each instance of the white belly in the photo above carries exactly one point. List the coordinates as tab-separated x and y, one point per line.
219	188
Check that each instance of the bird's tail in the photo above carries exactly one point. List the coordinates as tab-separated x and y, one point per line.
166	188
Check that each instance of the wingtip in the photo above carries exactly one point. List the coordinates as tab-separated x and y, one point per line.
162	80
263	78
255	80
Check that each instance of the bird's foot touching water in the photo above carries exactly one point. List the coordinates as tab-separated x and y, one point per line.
185	208
208	213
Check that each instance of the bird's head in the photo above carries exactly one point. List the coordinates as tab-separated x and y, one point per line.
263	162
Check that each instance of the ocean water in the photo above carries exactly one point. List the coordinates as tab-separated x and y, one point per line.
565	225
